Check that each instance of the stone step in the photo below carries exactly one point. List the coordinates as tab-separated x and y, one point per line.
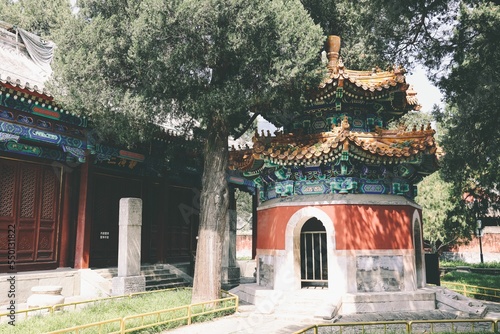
161	276
449	300
113	272
166	286
164	281
303	309
157	277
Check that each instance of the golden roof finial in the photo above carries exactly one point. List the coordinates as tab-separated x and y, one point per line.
333	52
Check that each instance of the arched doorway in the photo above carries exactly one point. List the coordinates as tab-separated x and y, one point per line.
313	254
288	272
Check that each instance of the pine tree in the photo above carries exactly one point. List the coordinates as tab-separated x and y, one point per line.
214	63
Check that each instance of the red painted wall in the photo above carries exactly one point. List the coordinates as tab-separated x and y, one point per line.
490	243
356	226
244	243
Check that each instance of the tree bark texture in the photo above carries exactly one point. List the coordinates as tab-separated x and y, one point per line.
213	214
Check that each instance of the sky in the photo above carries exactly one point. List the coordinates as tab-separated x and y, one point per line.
427	93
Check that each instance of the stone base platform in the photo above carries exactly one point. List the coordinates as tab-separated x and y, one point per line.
68	278
126	285
313	303
326	303
366	302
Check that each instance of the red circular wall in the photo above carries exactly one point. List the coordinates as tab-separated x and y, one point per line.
356	226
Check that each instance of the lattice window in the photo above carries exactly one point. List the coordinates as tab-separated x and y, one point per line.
7	181
44	242
28	192
49	192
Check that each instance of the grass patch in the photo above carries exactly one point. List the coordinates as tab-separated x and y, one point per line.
106	310
495	265
487	281
478	280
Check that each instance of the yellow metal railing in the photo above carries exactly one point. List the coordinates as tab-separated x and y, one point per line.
472	290
181	315
24	314
419	326
103	327
187	313
51	309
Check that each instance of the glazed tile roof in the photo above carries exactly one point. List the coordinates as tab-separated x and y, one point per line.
368	85
382	146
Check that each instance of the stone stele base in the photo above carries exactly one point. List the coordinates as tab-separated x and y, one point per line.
126	285
47	295
419	300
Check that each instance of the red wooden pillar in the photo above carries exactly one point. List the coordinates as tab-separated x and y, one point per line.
255	201
65	220
82	245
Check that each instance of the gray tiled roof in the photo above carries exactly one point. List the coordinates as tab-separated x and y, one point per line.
17	68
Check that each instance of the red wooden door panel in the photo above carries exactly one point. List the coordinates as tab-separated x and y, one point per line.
29	204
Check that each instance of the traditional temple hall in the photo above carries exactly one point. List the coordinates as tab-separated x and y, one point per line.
336	190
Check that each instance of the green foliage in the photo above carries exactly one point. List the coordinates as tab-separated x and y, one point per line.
444	220
244	210
140	61
456	263
412	119
473	113
37	16
383	33
452	263
210	64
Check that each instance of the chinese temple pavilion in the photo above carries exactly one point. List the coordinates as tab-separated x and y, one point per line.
336	190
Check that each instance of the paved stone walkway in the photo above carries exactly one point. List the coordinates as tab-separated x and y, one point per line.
246	320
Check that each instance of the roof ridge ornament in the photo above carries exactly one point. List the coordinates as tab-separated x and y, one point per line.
333	52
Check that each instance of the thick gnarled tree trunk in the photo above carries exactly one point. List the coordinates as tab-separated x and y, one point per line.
213	214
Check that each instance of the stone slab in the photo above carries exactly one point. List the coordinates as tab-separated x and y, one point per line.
420	300
129	237
127	285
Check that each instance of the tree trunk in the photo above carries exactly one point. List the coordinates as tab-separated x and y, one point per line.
213	214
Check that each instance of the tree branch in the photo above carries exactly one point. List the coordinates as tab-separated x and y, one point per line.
247	126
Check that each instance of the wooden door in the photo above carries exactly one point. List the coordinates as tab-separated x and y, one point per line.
108	190
29	215
180	225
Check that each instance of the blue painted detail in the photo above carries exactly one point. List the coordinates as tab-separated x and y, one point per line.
9	115
311	188
372	188
5	137
284	188
25	119
43	124
25	106
44	136
40	135
271	192
35	151
344	185
78	153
